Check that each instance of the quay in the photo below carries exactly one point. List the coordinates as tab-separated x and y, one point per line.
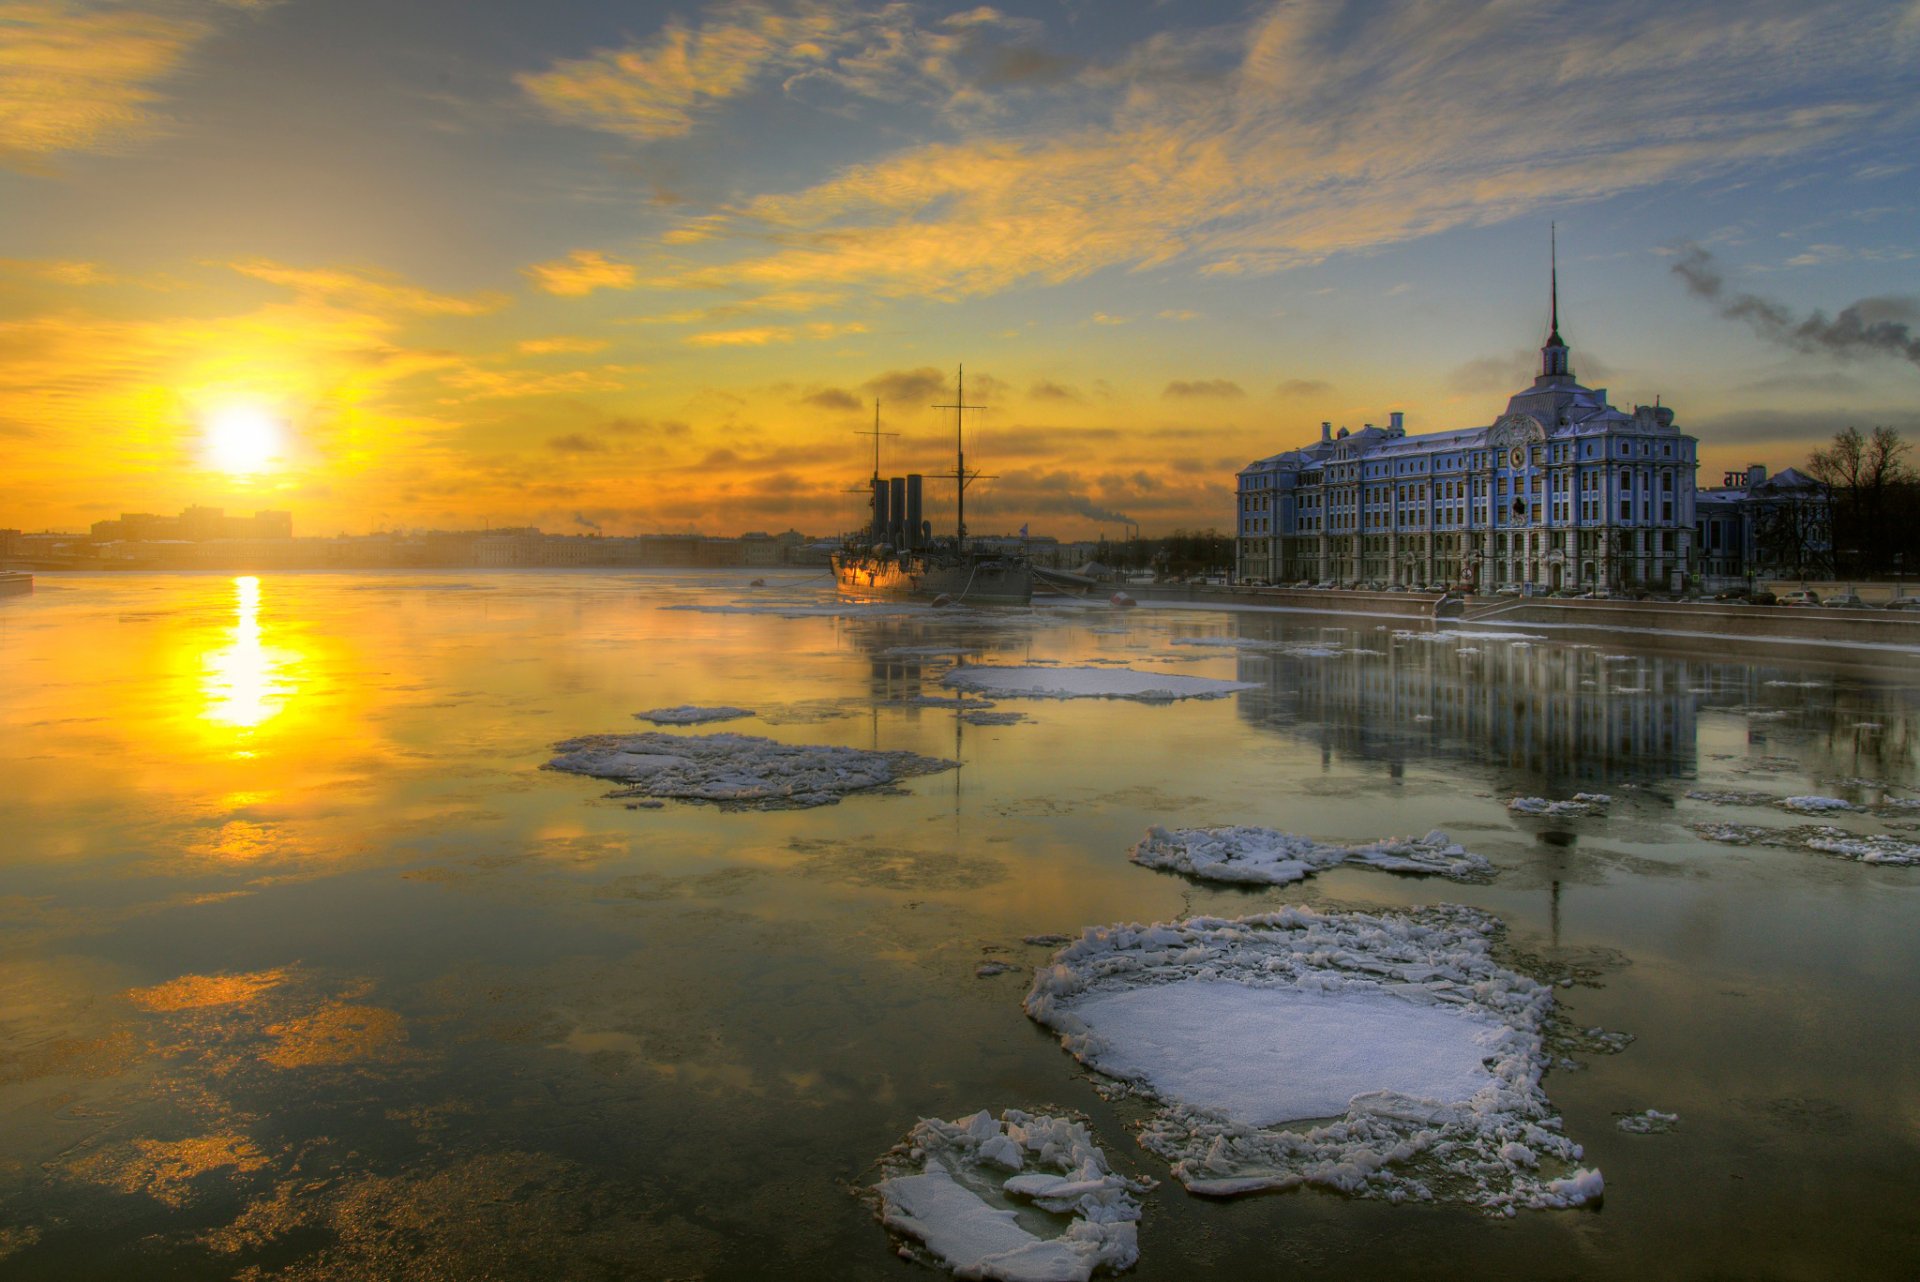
1897	632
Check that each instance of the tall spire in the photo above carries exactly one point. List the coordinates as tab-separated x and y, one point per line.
1553	356
1553	289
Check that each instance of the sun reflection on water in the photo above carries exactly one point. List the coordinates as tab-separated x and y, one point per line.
247	682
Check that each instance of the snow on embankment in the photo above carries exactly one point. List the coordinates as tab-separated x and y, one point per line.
1088	683
1383	1056
953	1187
1243	854
737	771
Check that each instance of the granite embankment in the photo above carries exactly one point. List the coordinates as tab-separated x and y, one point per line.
1890	630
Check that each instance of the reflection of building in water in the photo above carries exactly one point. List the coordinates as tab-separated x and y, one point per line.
1557	713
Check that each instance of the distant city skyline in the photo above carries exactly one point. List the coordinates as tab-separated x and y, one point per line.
645	268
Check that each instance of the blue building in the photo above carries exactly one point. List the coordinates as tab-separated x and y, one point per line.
1561	490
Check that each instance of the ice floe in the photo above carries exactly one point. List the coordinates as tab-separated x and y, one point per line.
737	771
1808	805
983	718
1867	850
1245	854
1581	803
690	714
1651	1122
958	1189
1089	683
1384	1056
1815	805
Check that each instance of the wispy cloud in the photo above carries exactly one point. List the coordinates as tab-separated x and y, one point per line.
84	77
1870	327
581	272
1185	389
822	52
762	335
1310	131
562	344
375	291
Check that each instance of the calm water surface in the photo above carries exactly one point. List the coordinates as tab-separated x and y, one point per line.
309	970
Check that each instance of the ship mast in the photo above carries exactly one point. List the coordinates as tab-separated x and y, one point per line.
873	487
960	477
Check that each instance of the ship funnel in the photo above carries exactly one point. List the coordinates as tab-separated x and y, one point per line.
914	495
880	510
897	509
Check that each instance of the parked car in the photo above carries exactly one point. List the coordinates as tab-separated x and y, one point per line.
1763	597
1844	601
1800	596
1507	589
1904	603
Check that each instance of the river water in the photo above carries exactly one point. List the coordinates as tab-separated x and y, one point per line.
310	970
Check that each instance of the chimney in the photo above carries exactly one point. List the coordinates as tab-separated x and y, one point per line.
1756	475
1399	427
1326	430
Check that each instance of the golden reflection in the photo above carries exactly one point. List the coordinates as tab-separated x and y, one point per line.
337	1033
248	682
165	1170
194	992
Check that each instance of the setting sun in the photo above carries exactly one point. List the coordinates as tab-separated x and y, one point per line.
242	439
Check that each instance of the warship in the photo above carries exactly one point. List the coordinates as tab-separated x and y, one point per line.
897	553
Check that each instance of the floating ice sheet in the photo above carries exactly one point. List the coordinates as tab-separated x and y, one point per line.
1245	854
1437	1049
690	714
1581	803
1088	683
1651	1122
954	1188
737	771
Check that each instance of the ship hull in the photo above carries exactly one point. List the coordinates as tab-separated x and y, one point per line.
981	582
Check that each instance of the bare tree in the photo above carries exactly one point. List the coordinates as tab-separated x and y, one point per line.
1867	477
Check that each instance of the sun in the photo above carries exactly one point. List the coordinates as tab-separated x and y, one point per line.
242	439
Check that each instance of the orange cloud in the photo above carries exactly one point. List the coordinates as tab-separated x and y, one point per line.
581	272
562	344
77	78
374	291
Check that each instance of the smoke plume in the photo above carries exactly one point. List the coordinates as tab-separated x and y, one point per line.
1870	327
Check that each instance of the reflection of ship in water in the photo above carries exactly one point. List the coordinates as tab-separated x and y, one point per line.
898	555
1561	715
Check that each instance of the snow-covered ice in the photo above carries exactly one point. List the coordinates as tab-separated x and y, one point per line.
1581	803
1425	1053
737	771
691	714
954	1188
1651	1122
1866	850
1815	805
1246	854
1088	683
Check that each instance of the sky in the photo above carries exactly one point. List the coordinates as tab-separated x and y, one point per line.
641	268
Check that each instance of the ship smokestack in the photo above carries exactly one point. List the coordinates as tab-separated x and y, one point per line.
915	485
880	521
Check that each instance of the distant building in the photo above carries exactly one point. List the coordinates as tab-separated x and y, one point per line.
1760	526
1561	490
195	525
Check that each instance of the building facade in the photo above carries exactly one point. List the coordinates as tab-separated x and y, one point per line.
1560	491
1758	526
